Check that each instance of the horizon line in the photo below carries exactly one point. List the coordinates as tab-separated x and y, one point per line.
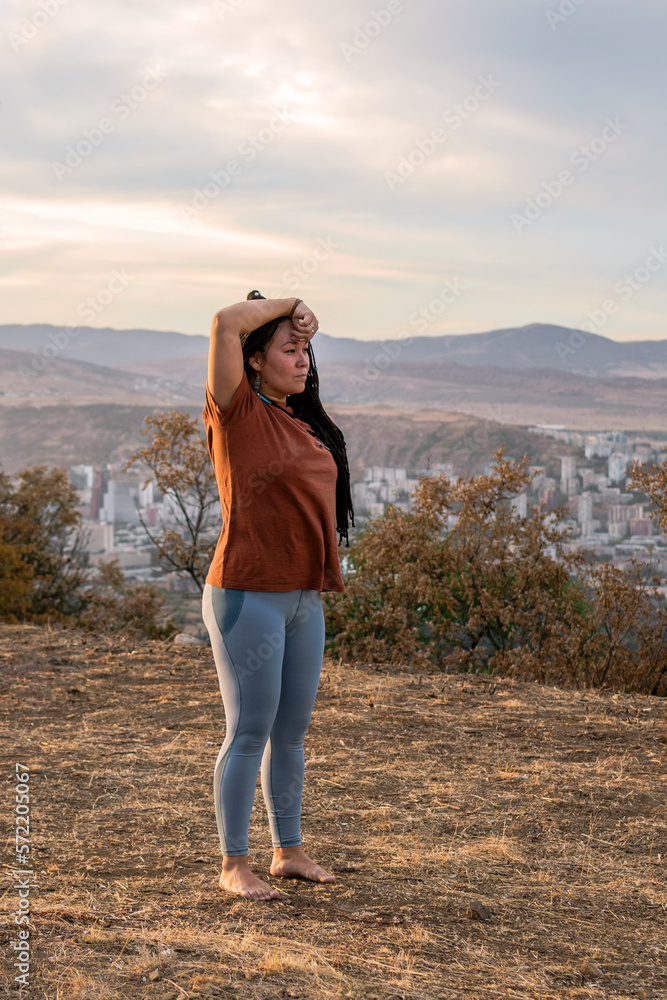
426	336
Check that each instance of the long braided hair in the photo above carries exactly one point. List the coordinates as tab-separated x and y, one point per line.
307	406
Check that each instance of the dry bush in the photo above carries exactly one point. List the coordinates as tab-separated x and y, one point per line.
494	592
44	545
632	622
653	482
44	574
178	457
16	579
114	605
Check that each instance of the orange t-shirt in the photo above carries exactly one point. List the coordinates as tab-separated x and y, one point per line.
277	486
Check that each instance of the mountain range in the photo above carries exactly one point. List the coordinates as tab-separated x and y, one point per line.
537	345
537	374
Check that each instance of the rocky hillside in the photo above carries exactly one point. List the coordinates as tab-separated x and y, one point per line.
99	433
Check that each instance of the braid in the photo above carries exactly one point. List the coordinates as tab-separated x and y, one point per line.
307	406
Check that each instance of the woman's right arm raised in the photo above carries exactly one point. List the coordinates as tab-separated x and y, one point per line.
225	355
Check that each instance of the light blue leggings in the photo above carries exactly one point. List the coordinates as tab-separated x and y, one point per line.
268	650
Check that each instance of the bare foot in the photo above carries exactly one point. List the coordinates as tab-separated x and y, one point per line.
239	879
293	862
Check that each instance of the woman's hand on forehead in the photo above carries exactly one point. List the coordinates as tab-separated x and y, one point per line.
304	321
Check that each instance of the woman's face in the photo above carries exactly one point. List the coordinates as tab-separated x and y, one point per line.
284	366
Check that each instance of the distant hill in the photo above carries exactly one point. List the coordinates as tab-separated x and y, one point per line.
523	397
114	348
72	381
520	397
537	345
96	434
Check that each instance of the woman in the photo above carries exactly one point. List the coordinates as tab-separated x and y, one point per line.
284	485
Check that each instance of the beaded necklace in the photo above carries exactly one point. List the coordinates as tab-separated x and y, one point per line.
294	417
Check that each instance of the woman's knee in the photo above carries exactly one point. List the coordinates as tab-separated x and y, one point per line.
250	742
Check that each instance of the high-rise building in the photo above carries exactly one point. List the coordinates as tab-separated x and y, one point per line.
585	508
82	476
642	526
101	480
382	474
568	466
520	504
617	512
547	498
570	486
618	463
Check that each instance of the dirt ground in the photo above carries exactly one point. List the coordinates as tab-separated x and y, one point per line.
436	800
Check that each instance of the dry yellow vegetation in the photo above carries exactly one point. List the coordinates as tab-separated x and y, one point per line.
491	839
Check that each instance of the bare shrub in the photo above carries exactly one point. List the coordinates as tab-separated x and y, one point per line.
653	482
113	604
44	574
16	579
178	458
493	591
45	543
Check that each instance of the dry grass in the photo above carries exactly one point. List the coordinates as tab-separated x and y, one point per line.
424	795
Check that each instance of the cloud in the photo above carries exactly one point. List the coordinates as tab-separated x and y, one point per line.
319	169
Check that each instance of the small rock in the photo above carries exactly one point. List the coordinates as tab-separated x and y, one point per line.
588	969
477	911
185	639
153	975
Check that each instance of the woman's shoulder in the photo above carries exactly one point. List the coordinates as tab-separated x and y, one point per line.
242	403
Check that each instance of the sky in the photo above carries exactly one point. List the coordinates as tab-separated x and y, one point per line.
404	166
